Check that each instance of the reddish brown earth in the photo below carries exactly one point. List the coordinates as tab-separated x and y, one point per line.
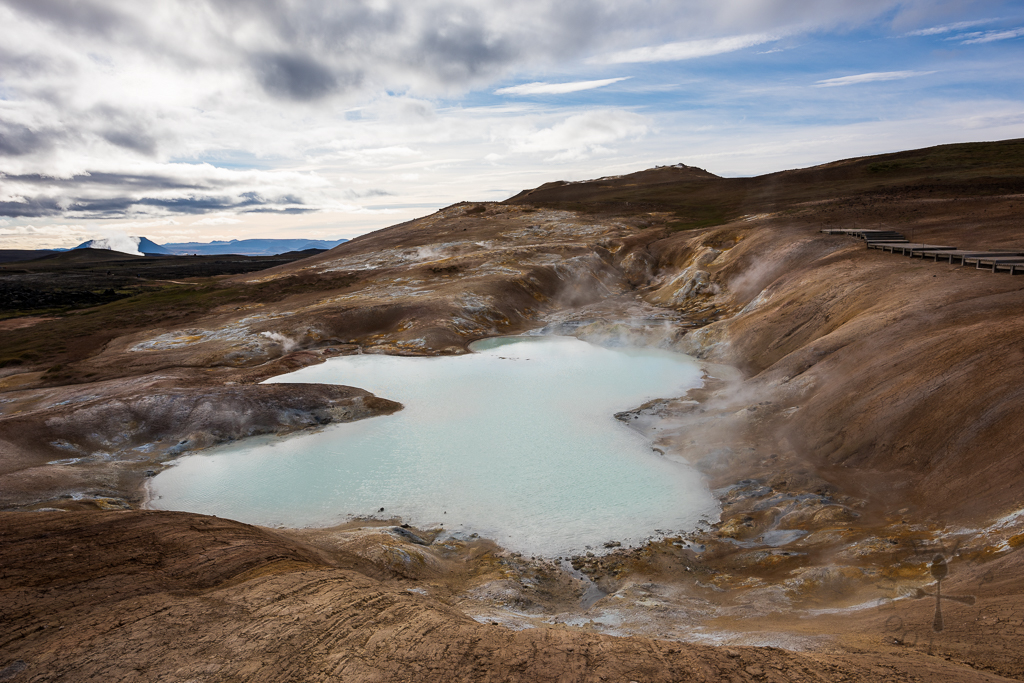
860	419
175	596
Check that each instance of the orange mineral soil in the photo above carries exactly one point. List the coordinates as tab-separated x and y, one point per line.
860	421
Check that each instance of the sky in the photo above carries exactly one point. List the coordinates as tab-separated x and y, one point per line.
199	120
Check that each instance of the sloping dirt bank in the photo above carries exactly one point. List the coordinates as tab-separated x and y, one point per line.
899	367
875	428
161	596
867	427
95	445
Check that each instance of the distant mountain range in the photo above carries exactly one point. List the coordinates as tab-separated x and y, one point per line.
251	247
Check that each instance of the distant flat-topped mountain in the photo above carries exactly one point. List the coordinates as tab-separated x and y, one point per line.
250	247
136	246
143	246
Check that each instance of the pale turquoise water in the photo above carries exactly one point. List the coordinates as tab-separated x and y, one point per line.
516	442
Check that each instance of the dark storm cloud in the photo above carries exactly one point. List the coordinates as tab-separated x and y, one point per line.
322	47
131	181
17	140
300	78
120	207
128	86
458	48
194	205
80	16
444	43
290	211
363	194
115	195
321	26
126	129
143	144
29	65
34	207
247	202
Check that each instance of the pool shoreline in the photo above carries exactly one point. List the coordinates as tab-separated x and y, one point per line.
682	473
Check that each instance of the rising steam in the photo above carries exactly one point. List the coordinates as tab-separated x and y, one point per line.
116	240
287	344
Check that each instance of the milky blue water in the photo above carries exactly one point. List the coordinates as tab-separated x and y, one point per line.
516	442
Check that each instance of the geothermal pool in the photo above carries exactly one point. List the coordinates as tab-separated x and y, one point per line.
516	442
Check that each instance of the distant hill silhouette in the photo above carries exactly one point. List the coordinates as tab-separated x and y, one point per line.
80	255
12	255
251	247
693	198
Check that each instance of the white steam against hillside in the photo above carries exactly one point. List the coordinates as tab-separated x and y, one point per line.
116	241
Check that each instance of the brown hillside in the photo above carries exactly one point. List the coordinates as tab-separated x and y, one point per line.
859	423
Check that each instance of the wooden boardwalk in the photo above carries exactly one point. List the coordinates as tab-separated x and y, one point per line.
957	256
868	235
890	241
908	248
991	262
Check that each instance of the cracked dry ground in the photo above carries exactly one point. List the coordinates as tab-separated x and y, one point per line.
803	425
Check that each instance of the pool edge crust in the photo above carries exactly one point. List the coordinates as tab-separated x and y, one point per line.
99	452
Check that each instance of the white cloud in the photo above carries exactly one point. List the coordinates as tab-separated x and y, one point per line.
990	120
578	136
690	49
292	114
368	156
217	220
557	88
870	78
131	225
949	28
43	236
989	36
